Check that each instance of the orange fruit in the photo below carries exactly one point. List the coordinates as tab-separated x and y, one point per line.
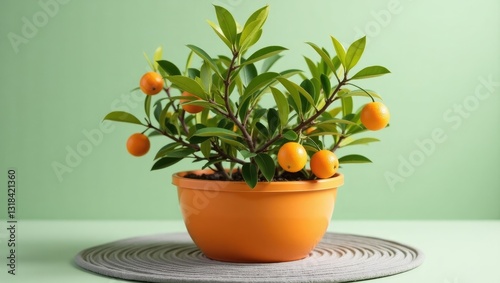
324	164
193	109
138	144
375	116
151	83
309	130
292	157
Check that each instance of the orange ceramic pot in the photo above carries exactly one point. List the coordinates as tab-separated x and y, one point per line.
274	222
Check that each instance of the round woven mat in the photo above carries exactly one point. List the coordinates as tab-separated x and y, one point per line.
174	258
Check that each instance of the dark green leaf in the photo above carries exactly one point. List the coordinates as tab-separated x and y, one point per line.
121	116
266	165
369	72
169	67
193	73
354	158
273	120
290	135
226	23
249	172
325	84
165	162
354	53
262	129
264	53
248	73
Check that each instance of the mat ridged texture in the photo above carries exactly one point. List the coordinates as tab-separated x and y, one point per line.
174	258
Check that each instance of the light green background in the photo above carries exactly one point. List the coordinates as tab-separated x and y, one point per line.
79	65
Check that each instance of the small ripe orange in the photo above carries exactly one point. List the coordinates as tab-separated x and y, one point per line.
324	164
193	109
292	157
138	144
151	83
375	116
309	130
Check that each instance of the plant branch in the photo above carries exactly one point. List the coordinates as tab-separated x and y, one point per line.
224	155
172	137
309	121
230	114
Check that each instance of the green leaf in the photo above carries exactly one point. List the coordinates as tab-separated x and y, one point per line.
226	23
252	27
214	132
359	92
325	84
262	129
269	62
157	56
169	67
221	35
266	165
248	73
151	65
259	81
247	154
200	52
339	49
312	67
282	104
289	85
249	172
354	53
346	105
354	158
166	149
180	153
165	162
325	58
147	105
189	85
232	142
336	121
122	116
206	76
370	72
264	53
273	120
290	135
351	141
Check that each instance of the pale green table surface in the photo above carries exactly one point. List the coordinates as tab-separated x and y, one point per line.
456	251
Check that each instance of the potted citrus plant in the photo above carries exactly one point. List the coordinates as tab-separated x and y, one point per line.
266	179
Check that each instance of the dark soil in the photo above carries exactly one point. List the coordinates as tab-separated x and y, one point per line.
237	176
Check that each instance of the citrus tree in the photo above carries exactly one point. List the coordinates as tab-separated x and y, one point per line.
212	112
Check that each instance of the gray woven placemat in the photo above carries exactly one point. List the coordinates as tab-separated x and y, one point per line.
174	258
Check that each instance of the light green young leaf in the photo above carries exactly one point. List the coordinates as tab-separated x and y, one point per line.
205	148
226	23
359	92
121	116
206	77
269	62
326	58
221	35
370	72
312	67
157	56
266	165
253	27
339	49
354	53
151	65
347	105
147	105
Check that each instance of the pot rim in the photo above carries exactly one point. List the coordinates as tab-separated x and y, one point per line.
180	181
